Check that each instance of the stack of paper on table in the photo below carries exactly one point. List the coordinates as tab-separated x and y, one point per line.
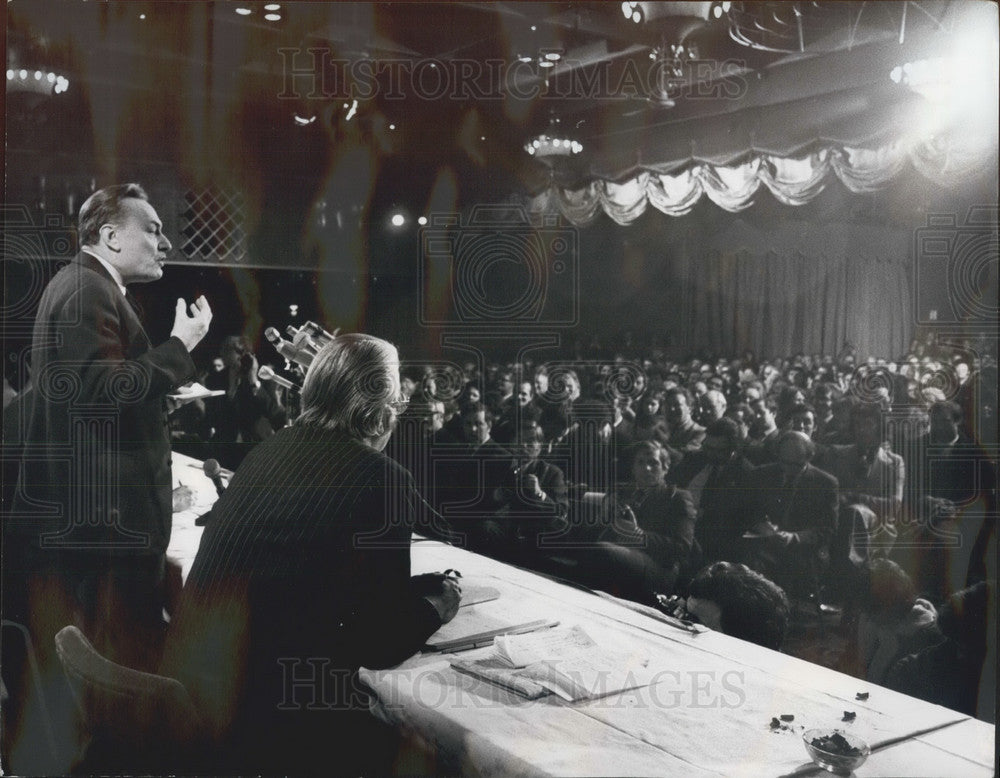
195	391
565	661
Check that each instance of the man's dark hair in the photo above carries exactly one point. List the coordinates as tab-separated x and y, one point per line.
529	413
105	207
679	390
891	591
725	428
471	409
751	607
529	433
824	390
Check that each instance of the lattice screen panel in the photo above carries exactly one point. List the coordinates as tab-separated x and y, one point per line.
212	226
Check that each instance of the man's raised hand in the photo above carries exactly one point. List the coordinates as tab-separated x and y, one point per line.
191	329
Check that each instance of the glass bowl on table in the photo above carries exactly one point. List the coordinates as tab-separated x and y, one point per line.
835	750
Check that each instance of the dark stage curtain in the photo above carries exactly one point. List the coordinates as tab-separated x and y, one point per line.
782	292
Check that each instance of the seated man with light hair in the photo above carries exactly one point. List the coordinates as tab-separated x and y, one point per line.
304	572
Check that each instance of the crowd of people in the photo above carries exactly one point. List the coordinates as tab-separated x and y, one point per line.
633	473
807	474
739	493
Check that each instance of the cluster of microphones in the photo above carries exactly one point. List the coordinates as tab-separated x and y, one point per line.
299	352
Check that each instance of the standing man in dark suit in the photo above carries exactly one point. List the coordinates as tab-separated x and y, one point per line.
86	538
93	506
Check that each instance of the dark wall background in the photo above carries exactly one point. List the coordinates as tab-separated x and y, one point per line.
773	279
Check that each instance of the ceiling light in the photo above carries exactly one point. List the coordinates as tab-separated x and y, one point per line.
352	111
544	63
632	11
273	17
42	82
392	126
398	220
422	220
553	55
142	16
244	11
549	144
302	121
272	7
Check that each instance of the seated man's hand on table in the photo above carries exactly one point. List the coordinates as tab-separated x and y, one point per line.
446	601
183	498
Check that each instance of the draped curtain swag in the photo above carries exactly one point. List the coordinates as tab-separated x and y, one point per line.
946	160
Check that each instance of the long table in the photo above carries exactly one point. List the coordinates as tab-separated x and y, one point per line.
707	713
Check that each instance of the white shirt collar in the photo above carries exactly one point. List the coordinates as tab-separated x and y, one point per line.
115	275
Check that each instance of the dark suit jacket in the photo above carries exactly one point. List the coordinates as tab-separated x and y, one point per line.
808	507
470	481
98	444
306	560
517	507
724	510
665	520
242	412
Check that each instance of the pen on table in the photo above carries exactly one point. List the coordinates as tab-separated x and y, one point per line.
469	646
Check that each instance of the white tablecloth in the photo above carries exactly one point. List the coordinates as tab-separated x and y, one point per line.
707	714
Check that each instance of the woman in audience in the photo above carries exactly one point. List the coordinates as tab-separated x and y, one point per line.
653	516
649	421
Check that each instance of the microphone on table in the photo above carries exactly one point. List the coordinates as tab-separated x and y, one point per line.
214	472
267	374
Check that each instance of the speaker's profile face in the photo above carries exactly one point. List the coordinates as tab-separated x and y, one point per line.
140	248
